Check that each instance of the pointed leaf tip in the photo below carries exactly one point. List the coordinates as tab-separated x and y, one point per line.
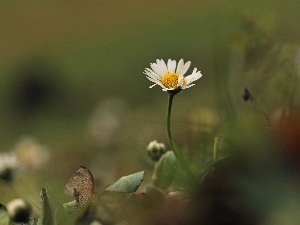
127	184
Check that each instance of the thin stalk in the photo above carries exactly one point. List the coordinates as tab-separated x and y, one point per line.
181	161
216	148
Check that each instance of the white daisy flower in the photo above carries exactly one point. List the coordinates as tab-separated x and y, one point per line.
168	78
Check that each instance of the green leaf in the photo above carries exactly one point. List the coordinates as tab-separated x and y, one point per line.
4	217
127	184
33	221
165	171
46	214
72	207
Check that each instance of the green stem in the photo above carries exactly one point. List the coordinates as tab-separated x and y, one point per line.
216	148
181	161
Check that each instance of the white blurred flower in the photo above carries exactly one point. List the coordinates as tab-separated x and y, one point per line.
106	122
168	78
30	154
8	162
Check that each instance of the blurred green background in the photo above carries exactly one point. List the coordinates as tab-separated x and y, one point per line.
60	59
83	52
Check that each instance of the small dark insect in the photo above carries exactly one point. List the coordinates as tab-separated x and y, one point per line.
247	95
81	186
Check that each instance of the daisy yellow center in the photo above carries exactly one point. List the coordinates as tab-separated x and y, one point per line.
170	80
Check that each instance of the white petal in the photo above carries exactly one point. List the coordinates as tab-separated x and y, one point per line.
171	65
188	86
152	85
193	77
150	73
180	80
185	67
152	79
162	65
168	89
189	78
179	66
196	76
156	68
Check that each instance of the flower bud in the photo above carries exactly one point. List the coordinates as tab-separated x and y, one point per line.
155	150
19	210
